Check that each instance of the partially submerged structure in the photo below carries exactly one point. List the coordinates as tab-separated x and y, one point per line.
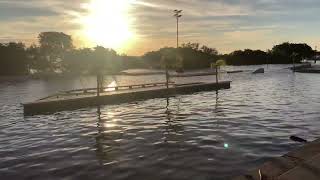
89	97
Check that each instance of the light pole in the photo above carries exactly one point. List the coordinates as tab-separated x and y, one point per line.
177	14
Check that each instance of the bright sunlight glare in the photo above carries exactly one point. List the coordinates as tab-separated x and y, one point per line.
108	23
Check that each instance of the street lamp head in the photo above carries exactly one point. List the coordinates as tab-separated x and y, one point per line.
177	13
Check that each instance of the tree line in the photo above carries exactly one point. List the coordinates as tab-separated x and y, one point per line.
194	56
56	54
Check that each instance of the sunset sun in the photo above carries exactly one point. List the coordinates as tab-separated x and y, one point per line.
108	23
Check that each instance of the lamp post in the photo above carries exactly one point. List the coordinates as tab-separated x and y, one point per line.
177	14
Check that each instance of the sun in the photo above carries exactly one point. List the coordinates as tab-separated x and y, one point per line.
108	23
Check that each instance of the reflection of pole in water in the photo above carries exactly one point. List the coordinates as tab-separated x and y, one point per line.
105	140
216	104
172	126
168	121
99	136
218	112
216	108
168	111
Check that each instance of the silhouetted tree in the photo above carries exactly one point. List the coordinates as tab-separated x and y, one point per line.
77	61
195	57
170	59
283	53
247	57
92	61
189	45
132	62
210	51
188	56
13	59
53	45
152	59
56	52
105	60
38	62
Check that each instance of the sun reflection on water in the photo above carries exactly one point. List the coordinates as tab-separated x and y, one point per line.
111	86
110	120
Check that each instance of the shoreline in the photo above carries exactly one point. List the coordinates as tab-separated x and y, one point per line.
298	164
122	73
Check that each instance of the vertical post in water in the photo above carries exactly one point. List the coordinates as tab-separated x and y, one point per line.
267	52
101	83
217	80
98	85
293	63
167	77
315	55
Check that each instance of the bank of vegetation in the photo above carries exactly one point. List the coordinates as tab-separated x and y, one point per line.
56	54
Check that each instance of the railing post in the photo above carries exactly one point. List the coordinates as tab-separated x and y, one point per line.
98	85
293	63
217	80
167	77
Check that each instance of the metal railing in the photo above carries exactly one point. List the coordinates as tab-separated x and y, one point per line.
78	92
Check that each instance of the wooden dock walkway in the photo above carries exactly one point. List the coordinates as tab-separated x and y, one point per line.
82	98
300	164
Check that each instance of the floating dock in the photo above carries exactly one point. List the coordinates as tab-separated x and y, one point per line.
75	99
300	164
313	69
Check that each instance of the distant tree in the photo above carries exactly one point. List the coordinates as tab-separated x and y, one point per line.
53	46
170	59
78	61
188	56
152	59
247	57
105	60
195	57
38	61
189	45
210	51
283	53
13	59
132	62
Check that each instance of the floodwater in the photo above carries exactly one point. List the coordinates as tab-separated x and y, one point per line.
206	135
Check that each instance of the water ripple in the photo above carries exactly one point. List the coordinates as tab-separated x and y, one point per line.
206	135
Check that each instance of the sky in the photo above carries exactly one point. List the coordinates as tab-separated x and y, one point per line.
134	27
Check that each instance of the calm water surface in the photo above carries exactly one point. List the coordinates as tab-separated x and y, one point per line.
207	135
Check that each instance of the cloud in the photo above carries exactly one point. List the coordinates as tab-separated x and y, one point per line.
225	24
